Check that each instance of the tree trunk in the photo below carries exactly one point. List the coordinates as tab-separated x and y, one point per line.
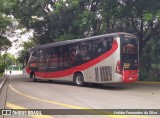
140	54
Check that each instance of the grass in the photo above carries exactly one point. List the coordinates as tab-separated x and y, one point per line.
1	74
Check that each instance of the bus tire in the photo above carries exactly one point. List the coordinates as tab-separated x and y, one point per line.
78	79
34	78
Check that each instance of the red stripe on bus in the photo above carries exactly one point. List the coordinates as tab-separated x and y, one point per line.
81	67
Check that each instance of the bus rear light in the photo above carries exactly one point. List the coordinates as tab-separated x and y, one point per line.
118	68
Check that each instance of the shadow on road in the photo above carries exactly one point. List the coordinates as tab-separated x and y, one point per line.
109	86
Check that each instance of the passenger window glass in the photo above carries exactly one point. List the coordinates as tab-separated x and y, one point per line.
36	53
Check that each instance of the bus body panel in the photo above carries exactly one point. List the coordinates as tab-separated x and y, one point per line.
102	72
25	73
130	75
99	65
116	59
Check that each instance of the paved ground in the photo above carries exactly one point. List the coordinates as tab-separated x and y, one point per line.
20	93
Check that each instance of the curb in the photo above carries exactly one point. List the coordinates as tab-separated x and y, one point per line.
4	80
147	82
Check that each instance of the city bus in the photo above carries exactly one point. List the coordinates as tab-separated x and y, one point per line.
108	58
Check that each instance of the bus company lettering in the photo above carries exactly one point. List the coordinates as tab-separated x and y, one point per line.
58	59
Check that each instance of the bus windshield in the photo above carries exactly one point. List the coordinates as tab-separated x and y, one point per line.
129	52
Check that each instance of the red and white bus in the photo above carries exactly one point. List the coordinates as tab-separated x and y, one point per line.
100	59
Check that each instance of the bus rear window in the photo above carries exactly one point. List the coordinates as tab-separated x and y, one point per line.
129	52
129	44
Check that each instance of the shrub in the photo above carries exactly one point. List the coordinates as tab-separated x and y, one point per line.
2	68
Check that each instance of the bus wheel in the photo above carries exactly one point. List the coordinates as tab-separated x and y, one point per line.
34	78
79	79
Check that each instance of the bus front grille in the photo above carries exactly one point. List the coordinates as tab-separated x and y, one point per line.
103	74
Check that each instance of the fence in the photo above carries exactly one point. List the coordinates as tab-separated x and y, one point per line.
15	68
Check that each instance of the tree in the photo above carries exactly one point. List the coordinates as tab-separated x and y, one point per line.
144	18
6	60
153	47
26	46
52	20
4	43
4	22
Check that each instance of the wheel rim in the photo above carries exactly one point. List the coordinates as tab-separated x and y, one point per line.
78	80
33	76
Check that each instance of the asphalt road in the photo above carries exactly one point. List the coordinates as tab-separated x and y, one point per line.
20	93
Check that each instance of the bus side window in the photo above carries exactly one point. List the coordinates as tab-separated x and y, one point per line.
25	60
41	56
109	41
95	45
34	58
47	55
101	46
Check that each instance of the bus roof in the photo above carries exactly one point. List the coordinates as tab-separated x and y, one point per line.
55	44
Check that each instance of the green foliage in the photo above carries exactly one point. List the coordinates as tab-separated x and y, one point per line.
158	14
4	43
2	68
7	59
148	17
20	55
1	74
29	44
4	22
26	46
143	75
65	37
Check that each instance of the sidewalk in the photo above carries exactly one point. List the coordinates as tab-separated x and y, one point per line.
2	81
148	82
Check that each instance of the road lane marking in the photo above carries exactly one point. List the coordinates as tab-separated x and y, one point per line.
57	103
13	106
76	107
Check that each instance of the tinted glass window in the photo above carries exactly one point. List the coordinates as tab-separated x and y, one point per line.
129	52
67	56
